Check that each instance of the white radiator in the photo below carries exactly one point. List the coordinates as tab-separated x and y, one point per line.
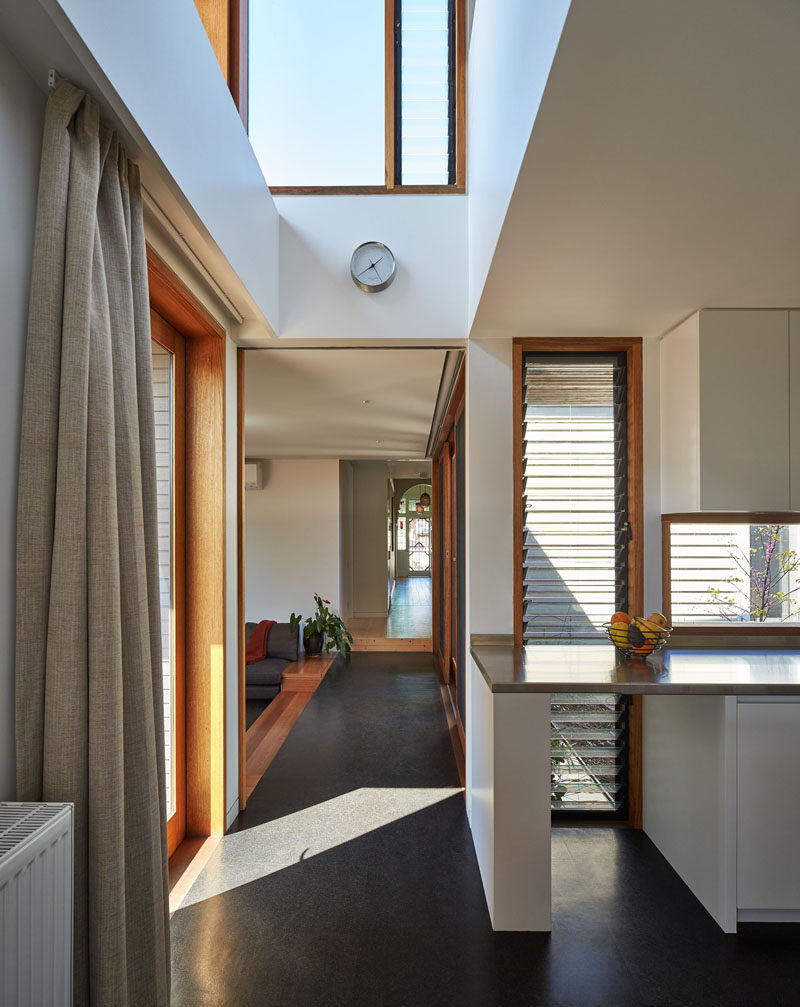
35	905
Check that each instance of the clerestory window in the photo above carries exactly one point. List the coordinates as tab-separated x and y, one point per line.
362	96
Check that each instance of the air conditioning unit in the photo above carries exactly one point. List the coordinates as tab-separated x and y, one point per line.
253	476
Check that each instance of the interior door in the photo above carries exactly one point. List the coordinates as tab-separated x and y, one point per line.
169	387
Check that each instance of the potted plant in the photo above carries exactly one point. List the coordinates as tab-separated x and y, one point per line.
325	627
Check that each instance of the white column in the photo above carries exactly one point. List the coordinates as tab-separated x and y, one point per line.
511	804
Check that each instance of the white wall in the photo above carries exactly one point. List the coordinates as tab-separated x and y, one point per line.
651	437
427	235
346	538
490	487
151	66
511	51
21	118
370	568
292	538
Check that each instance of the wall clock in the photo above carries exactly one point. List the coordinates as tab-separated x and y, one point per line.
372	267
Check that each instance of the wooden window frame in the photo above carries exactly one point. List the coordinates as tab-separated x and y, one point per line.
226	24
205	546
390	113
719	517
632	348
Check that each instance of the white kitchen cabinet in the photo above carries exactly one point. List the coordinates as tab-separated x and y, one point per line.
726	394
768	744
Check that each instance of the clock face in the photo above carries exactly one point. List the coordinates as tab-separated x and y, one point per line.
372	266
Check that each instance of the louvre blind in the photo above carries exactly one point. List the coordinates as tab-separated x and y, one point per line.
575	556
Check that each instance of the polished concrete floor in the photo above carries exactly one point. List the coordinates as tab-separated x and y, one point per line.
351	880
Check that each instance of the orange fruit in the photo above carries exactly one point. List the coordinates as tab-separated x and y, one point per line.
620	617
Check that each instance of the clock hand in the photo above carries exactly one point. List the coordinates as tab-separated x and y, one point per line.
370	266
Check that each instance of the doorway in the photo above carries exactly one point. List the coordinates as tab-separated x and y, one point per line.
410	605
449	556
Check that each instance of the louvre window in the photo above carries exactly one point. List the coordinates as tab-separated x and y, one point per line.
425	64
362	94
726	570
575	555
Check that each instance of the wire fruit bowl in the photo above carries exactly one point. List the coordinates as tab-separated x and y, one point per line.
636	642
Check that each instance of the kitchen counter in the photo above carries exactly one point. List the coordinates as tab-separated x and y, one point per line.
720	736
546	668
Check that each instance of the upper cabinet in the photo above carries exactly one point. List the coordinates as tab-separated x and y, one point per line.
730	394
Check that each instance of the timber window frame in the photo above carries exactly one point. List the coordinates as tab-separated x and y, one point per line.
722	627
392	116
632	348
631	810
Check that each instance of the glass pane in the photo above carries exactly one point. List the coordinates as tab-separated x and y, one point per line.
163	398
316	98
425	92
734	573
401	534
419	548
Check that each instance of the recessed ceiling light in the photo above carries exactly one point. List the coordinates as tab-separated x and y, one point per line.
379	442
366	402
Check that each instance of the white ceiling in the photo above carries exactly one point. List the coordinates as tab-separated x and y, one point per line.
662	175
419	468
309	403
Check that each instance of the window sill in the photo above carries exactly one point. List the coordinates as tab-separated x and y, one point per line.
185	865
366	190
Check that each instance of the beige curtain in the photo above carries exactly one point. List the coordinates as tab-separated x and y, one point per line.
88	685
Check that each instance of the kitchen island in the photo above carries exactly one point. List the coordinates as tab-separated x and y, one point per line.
721	764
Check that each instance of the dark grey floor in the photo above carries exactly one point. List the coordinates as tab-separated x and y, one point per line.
351	880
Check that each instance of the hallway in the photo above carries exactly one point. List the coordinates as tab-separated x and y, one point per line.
351	880
412	603
408	625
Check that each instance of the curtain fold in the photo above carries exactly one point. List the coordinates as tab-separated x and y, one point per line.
89	715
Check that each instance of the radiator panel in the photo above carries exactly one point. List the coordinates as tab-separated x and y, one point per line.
36	870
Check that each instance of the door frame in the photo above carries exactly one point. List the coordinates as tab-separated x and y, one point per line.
444	496
205	545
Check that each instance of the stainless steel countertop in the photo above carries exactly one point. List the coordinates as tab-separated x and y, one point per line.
598	668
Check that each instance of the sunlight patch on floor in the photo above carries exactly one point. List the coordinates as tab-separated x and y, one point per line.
257	852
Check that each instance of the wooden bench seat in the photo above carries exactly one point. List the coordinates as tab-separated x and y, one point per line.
305	674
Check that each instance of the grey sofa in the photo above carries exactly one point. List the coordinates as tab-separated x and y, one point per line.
263	679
